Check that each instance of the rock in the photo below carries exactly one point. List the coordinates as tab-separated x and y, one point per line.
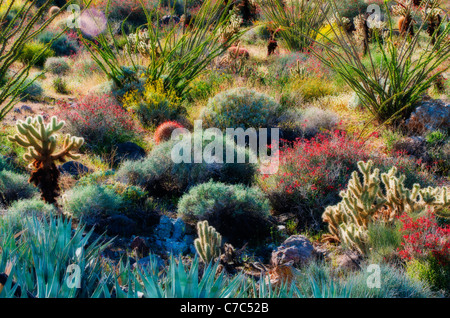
27	108
17	110
120	225
297	249
348	261
170	236
74	168
415	146
128	151
429	115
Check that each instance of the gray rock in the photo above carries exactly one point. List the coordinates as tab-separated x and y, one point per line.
297	249
74	168
128	151
430	115
17	110
348	261
170	236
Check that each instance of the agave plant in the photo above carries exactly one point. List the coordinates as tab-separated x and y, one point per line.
42	260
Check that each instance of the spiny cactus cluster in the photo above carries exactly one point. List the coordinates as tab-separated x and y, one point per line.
40	141
366	201
208	242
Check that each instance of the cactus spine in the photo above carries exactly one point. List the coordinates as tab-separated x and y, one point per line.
40	141
208	242
364	202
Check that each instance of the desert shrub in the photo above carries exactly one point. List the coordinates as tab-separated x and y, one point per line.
31	90
86	67
312	88
240	108
101	121
35	53
307	123
282	66
351	8
311	174
318	279
160	175
164	131
21	211
60	86
237	212
426	249
64	45
57	65
14	186
154	105
383	241
91	201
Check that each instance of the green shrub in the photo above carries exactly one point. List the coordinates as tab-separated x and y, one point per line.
92	201
241	107
383	241
21	211
35	53
14	186
31	90
60	86
158	174
237	212
57	65
430	272
62	46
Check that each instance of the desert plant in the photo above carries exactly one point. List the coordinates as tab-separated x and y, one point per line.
15	33
32	49
40	141
61	45
14	186
241	108
391	91
178	55
60	86
298	22
57	65
154	104
101	121
366	202
237	212
208	243
20	212
160	175
91	202
164	131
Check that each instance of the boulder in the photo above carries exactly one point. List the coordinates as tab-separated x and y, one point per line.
297	249
429	115
74	168
128	151
170	236
348	261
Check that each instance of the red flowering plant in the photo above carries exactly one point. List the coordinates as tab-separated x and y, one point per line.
311	174
424	239
101	121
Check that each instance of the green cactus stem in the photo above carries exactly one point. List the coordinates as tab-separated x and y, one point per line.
208	242
41	142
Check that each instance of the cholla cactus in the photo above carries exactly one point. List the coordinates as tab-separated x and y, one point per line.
208	242
40	141
139	42
361	33
364	202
